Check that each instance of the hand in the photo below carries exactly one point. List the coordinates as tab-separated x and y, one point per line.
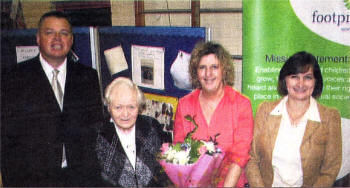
234	172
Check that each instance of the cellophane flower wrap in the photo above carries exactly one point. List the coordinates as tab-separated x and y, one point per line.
193	163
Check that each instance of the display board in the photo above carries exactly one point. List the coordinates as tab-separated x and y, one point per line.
149	53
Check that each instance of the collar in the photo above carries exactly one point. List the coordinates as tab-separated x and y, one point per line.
311	114
48	68
48	71
128	138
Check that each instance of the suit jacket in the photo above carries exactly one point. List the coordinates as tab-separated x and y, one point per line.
34	128
116	167
320	150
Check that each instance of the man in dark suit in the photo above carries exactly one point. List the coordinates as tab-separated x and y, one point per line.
49	107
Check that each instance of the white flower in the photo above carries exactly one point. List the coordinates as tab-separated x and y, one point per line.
181	157
210	146
170	154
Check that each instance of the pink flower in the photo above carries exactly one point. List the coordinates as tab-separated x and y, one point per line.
202	150
164	148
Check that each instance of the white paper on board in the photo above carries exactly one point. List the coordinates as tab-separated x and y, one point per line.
24	53
148	66
115	59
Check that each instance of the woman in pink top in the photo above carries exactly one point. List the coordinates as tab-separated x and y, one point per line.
217	108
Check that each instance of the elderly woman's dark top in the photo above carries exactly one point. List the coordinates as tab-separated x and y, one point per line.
116	167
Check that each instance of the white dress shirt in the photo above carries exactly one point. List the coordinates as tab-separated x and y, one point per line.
128	142
61	77
286	159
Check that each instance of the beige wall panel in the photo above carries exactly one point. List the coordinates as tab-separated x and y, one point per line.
226	29
160	4
238	74
172	4
32	11
123	13
168	20
171	19
221	4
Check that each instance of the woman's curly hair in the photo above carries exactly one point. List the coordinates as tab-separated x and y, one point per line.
205	48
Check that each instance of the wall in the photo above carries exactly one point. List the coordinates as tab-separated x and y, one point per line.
226	28
123	13
32	10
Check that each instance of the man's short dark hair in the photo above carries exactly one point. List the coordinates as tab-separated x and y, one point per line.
56	14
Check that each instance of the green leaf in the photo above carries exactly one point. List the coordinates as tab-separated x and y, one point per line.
347	4
191	119
188	140
177	147
195	144
194	154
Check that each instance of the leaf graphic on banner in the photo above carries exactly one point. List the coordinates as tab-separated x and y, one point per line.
347	4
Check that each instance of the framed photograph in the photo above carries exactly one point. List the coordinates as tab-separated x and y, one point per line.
162	108
147	71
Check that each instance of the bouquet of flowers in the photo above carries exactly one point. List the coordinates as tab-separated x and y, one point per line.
193	163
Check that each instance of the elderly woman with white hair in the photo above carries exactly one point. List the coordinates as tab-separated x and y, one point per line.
128	142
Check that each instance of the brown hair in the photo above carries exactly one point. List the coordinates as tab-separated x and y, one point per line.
300	62
205	48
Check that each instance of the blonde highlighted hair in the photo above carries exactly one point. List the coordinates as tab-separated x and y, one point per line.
205	48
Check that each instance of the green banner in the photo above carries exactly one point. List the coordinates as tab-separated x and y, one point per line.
273	30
